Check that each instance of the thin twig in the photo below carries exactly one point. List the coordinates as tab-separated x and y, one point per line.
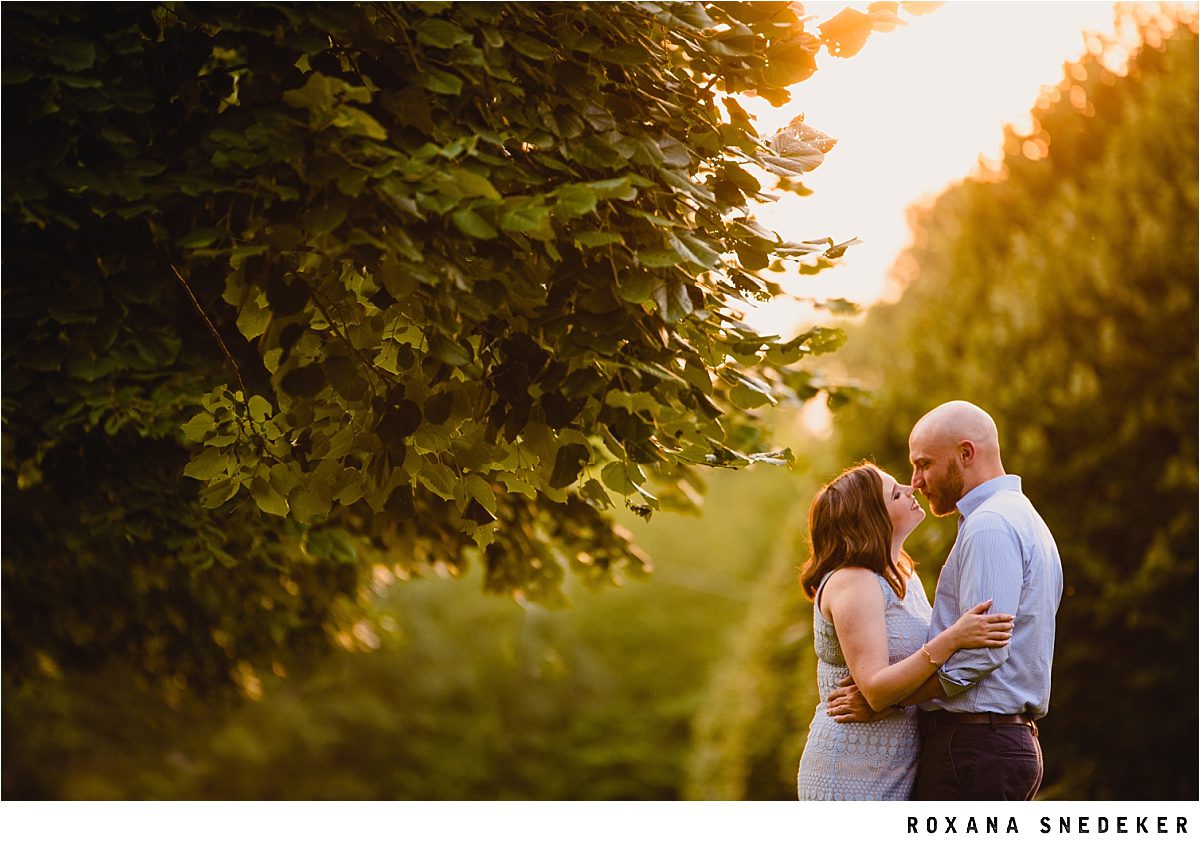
337	330
213	329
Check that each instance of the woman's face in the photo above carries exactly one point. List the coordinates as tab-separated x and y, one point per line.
902	507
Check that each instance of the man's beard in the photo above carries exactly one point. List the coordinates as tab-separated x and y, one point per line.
944	496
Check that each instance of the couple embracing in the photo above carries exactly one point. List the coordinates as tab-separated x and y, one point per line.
919	702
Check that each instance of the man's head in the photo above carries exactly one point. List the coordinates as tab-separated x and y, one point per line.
953	449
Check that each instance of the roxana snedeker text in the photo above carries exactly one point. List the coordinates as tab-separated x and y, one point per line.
1097	824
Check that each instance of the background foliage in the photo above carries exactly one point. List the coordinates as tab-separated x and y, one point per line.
467	697
1060	294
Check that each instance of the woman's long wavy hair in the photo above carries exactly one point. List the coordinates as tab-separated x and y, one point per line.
848	526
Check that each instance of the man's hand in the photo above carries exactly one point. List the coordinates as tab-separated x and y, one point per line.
848	705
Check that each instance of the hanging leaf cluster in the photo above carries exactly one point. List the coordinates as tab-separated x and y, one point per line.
444	280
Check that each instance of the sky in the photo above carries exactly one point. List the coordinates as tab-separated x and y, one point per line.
912	112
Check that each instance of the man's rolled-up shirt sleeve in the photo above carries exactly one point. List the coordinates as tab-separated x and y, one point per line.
991	569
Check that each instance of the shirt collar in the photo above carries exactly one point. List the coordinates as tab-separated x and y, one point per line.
981	493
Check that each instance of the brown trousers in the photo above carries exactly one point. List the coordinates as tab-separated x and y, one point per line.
979	762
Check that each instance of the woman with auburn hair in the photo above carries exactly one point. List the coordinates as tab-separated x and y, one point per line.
871	621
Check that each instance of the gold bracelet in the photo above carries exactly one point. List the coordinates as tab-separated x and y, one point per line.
930	657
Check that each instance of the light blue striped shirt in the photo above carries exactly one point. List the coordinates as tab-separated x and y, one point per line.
1004	552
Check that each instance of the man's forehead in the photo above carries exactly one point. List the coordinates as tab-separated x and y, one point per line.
919	446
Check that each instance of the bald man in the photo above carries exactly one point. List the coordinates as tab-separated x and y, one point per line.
979	738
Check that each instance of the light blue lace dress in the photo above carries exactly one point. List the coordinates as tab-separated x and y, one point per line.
864	760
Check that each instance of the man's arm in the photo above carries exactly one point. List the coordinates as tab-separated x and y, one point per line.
991	569
848	705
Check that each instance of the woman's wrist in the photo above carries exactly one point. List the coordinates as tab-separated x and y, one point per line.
939	649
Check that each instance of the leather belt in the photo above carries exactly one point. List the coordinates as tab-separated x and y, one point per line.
954	718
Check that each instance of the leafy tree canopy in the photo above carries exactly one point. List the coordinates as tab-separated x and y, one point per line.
292	290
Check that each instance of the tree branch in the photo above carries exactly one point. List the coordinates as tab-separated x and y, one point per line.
213	330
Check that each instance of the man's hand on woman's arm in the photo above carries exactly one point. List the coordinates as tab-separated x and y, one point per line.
848	705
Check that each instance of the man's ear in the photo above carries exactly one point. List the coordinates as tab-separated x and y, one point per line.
966	452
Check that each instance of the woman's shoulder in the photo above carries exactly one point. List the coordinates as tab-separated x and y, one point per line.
853	578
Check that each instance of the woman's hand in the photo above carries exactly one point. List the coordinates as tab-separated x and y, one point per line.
979	630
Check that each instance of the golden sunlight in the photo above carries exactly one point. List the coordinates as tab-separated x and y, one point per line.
915	111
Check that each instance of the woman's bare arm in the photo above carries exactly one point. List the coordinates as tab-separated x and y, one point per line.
853	601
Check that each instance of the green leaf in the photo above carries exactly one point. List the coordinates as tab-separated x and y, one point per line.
526	217
620	188
73	81
744	396
72	52
596	496
440	82
622	477
311	503
700	252
438	479
267	498
626	54
252	320
631	401
399	422
285	477
260	409
838	250
477	513
318	94
596	238
324	218
839	306
635	286
359	122
673	300
568	462
684	184
674	152
470	223
437	32
220	492
475	185
659	258
15	76
200	238
575	200
479	488
450	352
530	47
515	484
438	407
197	427
211	462
304	381
340	445
691	15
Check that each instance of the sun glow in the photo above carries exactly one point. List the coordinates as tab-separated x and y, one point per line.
915	111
